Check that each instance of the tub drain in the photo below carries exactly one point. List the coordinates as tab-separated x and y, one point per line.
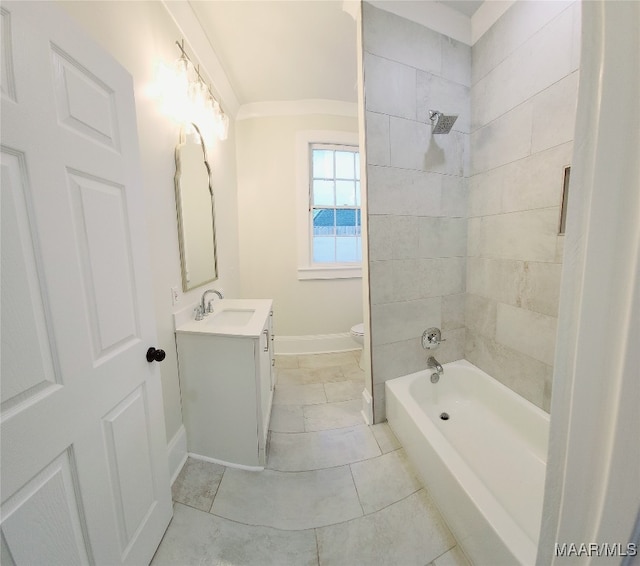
444	416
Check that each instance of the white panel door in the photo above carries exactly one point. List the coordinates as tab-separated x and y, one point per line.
84	457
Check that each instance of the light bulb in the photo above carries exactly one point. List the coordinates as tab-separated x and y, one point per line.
209	104
181	67
223	127
206	122
170	88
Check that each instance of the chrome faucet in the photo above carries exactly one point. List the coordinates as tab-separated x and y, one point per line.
432	338
434	364
204	309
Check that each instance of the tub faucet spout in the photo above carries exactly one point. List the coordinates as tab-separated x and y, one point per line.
433	363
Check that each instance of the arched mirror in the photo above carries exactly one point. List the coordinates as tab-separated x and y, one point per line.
196	210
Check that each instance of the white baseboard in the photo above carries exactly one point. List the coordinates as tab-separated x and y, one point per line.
227	464
315	344
177	449
367	407
178	454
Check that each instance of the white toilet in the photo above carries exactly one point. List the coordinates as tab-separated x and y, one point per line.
357	333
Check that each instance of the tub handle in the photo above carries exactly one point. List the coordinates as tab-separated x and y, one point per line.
431	338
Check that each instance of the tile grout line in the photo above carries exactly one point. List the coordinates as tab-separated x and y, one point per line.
189	506
320	430
257	525
422	488
328	525
328	467
448	550
353	479
313	528
217	490
376	439
315	532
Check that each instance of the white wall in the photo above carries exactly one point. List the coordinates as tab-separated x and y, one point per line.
592	492
138	35
267	195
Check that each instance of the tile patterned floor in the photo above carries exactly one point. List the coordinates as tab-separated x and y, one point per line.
336	492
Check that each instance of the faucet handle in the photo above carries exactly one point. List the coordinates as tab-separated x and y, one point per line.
210	307
198	312
431	338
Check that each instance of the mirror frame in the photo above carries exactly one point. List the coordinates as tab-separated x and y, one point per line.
178	195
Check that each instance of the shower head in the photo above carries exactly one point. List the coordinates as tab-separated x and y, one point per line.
442	123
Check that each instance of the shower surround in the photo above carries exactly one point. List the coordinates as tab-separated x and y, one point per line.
523	99
463	226
416	193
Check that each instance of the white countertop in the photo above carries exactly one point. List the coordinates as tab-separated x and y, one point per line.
218	324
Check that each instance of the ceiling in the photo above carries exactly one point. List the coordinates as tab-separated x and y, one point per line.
466	7
274	50
288	50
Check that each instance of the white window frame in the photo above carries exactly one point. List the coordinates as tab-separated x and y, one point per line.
306	268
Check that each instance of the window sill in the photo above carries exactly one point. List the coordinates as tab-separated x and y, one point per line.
324	272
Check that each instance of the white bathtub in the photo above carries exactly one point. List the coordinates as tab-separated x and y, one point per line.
484	466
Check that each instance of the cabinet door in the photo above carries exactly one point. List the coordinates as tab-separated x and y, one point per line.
266	385
273	351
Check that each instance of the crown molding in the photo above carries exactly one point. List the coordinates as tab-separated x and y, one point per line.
297	108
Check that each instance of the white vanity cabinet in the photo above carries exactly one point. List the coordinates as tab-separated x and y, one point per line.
226	382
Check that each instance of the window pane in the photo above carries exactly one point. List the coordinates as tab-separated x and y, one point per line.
345	193
346	222
323	193
322	164
335	201
324	222
324	249
345	165
346	249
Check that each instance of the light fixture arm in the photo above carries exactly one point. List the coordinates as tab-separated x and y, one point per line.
196	68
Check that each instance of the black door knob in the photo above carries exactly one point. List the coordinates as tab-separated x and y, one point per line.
154	355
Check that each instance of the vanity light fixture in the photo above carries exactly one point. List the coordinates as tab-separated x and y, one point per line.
188	98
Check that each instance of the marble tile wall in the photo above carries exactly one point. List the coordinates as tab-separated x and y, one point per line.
416	192
463	227
523	98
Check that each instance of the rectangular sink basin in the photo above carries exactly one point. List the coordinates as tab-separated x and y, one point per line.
232	317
